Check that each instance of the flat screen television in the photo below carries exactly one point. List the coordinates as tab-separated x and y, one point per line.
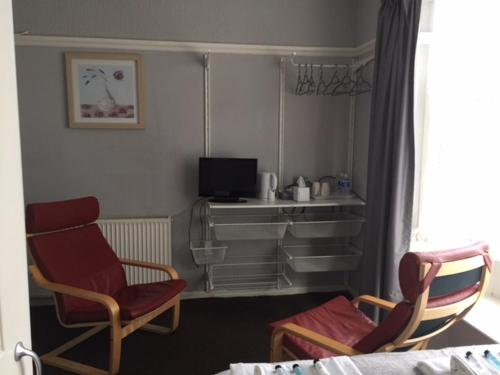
227	179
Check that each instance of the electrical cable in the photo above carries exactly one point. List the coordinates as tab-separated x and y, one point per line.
191	217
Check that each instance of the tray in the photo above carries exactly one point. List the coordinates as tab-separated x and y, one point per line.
339	224
322	258
248	227
208	252
334	196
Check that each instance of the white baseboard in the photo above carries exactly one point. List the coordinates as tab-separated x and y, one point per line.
46	301
265	292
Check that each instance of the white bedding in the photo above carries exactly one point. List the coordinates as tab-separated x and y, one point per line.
337	366
403	363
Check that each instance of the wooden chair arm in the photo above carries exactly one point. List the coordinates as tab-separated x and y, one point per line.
108	301
382	303
155	266
315	338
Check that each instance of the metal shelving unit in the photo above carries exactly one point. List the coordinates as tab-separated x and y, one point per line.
254	272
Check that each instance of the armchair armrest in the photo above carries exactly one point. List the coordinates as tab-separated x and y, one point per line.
161	267
108	301
382	303
313	337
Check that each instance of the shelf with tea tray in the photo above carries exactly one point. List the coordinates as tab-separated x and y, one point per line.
280	203
272	222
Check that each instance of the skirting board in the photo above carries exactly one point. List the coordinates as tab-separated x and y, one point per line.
46	301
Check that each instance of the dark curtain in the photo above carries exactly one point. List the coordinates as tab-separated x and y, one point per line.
391	148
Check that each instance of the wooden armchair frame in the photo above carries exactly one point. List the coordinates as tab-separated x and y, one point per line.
421	313
118	329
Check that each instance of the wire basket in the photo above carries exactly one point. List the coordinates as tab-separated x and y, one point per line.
339	224
208	252
322	258
248	227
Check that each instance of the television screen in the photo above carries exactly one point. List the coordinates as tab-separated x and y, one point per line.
227	178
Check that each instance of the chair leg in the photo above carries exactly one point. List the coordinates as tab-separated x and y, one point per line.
277	346
424	344
176	315
115	349
155	328
53	358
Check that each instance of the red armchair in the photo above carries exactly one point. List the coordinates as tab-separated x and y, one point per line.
74	261
439	289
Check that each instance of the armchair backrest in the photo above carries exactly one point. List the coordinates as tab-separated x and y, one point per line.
439	289
69	248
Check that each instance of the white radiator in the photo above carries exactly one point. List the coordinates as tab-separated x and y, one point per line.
140	239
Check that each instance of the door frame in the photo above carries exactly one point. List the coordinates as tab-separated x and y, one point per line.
14	295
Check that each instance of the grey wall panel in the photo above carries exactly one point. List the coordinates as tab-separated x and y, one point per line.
366	28
245	102
315	136
292	22
361	139
366	20
149	172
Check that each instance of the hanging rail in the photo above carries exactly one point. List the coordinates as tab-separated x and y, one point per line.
355	66
346	79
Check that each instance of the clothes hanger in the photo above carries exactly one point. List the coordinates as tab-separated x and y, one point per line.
345	84
330	86
311	85
361	85
321	83
298	88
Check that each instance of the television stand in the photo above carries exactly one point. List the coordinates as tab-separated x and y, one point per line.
226	200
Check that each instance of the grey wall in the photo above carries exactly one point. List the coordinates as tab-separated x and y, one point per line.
291	22
316	130
366	28
134	173
366	20
361	138
153	172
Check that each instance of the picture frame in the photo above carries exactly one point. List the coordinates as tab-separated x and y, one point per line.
105	90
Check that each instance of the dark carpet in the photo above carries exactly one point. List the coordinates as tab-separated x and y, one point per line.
213	333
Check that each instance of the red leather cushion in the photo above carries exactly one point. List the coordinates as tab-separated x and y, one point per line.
46	217
337	319
79	257
410	265
134	301
137	300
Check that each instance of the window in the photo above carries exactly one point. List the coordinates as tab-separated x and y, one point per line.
458	126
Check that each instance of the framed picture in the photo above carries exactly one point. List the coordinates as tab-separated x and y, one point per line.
105	90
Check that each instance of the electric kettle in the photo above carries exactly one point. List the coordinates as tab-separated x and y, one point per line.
268	183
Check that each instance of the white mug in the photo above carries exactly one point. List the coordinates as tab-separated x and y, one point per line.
316	189
325	189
